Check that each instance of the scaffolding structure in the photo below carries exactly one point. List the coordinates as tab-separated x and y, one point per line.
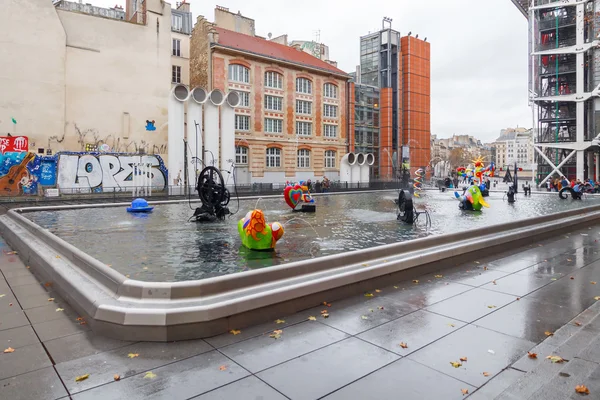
564	83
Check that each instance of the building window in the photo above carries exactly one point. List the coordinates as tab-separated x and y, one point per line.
176	74
176	22
303	85
303	128
330	130
303	158
273	125
330	111
273	103
177	47
330	91
330	158
241	155
303	107
273	80
239	73
244	99
242	122
273	157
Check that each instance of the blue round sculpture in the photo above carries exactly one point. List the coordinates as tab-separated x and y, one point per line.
139	206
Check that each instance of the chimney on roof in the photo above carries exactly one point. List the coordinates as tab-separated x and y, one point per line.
183	6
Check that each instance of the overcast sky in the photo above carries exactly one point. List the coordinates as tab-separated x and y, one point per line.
478	49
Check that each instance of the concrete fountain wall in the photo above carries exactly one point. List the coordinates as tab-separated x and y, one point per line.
157	311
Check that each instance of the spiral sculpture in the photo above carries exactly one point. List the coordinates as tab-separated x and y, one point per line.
418	181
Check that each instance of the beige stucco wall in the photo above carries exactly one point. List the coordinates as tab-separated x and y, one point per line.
32	70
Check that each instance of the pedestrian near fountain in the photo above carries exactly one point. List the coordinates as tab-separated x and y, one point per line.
318	186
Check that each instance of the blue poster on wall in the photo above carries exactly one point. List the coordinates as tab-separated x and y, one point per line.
47	172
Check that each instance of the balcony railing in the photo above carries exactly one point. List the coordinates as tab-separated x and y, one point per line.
553	22
552	133
550	42
566	64
558	86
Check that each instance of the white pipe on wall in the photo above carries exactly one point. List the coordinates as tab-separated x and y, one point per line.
346	167
365	168
232	100
175	154
355	168
194	133
211	128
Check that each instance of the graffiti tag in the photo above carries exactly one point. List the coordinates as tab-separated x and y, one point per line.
13	144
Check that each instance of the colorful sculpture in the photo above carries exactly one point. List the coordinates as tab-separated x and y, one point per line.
256	234
471	200
480	171
418	182
298	197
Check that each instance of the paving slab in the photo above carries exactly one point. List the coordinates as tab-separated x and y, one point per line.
574	373
404	379
425	293
17	337
471	305
39	300
21	280
577	291
321	372
179	380
497	384
518	285
43	384
13	318
263	352
82	344
22	360
29	290
251	387
512	264
8	302
472	274
485	350
48	312
416	330
58	328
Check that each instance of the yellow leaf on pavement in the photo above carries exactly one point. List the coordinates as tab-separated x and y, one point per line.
311	318
556	359
582	389
464	391
415	281
438	276
548	333
455	364
117	377
486	374
368	294
403	345
235	332
133	355
222	368
463	359
9	350
60	309
280	321
82	378
149	375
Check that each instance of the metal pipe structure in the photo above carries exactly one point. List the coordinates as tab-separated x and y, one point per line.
211	128
194	133
365	168
227	157
179	95
355	168
348	160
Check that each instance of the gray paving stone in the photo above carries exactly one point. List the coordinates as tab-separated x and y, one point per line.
474	276
497	384
29	290
518	285
512	264
22	360
471	305
58	328
80	345
102	367
39	300
8	303
21	280
574	373
17	272
475	344
48	312
17	337
178	380
577	291
43	384
13	319
403	379
416	330
425	293
263	352
321	372
251	388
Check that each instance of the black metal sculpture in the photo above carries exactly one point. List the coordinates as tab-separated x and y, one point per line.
213	195
567	190
407	213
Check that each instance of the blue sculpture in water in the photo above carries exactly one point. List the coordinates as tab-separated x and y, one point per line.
139	206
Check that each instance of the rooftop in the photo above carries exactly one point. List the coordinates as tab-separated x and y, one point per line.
266	48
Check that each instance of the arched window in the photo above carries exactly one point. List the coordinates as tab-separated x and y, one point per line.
273	80
330	91
241	155
303	158
273	157
239	73
303	85
330	159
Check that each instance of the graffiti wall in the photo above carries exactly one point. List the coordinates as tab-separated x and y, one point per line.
25	173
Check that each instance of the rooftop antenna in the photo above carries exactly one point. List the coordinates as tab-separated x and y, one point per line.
388	20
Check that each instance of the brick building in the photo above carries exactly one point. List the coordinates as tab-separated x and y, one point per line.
291	124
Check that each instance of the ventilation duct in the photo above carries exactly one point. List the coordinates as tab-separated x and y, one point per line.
348	160
365	168
197	98
211	127
232	100
175	154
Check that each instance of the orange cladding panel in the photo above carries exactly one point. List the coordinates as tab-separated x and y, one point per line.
385	133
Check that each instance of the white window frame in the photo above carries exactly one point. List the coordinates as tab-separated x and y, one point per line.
273	80
303	107
330	130
244	99
238	73
273	157
176	74
330	91
330	158
273	125
303	128
303	85
330	110
176	22
176	47
303	157
241	155
273	103
242	122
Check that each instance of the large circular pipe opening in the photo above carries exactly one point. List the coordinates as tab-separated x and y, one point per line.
217	97
370	159
181	93
199	95
233	99
360	159
351	158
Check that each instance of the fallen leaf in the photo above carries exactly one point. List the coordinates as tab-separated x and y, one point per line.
582	389
491	306
82	378
380	308
109	265
476	262
592	282
117	377
133	355
494	282
79	319
235	332
60	309
572	277
149	375
403	345
553	279
518	298
9	350
438	276
464	391
127	276
82	323
48	284
28	267
280	321
368	294
11	253
485	268
326	315
568	259
326	304
556	359
455	364
597	298
276	334
451	325
222	368
145	268
576	323
311	318
486	374
324	311
51	299
377	291
415	281
531	355
364	317
2	295
395	287
548	333
463	359
57	256
364	264
371	310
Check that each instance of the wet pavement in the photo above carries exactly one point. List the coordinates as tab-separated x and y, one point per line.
464	331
